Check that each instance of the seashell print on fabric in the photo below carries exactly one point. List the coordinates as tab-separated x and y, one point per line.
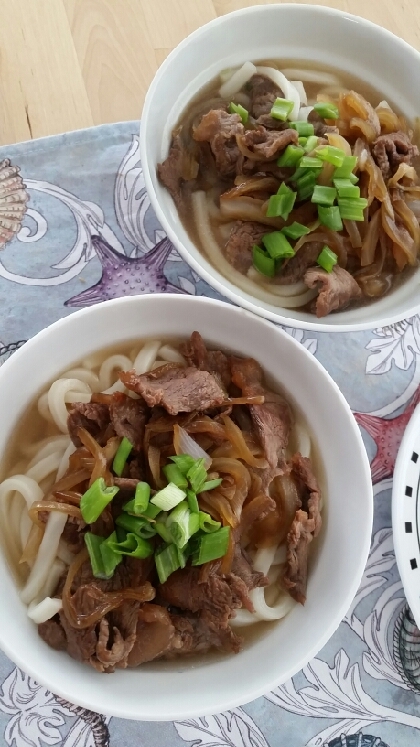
13	199
407	649
356	740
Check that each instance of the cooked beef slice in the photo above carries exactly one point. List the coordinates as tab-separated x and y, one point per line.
94	418
391	150
337	289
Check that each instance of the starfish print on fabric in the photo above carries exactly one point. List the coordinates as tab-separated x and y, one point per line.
127	276
387	434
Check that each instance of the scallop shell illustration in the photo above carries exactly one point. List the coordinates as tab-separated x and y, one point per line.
407	649
356	740
13	199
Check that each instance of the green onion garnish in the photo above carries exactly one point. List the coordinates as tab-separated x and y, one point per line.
174	474
238	109
110	558
311	143
192	502
211	546
308	162
330	217
281	204
179	525
345	171
169	497
302	141
291	156
306	185
96	498
331	154
352	208
207	524
210	484
93	544
281	109
327	259
184	462
167	561
197	475
326	110
277	245
136	525
135	547
162	529
345	188
141	497
262	262
295	230
324	195
304	129
121	456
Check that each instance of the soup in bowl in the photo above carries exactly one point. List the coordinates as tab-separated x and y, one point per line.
292	167
176	505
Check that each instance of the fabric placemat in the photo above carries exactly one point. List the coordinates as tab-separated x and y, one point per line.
362	690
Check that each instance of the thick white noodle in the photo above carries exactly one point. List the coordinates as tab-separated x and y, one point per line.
46	555
301	91
43	407
12	511
64	553
263	560
280	555
64	461
171	354
304	113
294	289
303	440
45	466
147	356
288	89
216	257
83	375
117	386
311	76
109	367
237	80
57	398
45	447
42	611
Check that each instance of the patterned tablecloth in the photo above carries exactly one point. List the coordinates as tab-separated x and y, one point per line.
363	689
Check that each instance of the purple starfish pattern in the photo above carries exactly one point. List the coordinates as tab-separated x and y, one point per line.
127	276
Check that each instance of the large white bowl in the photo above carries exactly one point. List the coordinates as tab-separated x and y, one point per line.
297	32
179	690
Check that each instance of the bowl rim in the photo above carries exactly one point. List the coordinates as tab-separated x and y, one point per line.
88	699
216	280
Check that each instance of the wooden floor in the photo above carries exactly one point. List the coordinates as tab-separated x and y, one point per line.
68	64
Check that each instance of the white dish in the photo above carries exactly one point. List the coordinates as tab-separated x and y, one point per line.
289	31
179	690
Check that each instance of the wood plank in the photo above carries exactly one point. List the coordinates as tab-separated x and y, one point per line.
170	21
41	88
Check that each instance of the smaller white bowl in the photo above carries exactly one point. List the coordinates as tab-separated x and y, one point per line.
291	32
177	690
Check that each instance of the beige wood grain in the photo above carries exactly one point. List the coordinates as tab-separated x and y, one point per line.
67	64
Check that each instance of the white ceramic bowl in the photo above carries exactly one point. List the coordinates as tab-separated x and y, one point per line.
179	690
297	32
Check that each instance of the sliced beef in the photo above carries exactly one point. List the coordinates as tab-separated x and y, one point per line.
268	144
81	644
213	361
238	248
337	289
116	638
128	416
263	93
93	417
294	269
320	128
126	484
308	489
73	534
176	389
170	172
155	635
391	150
195	636
296	570
273	419
242	568
220	129
53	633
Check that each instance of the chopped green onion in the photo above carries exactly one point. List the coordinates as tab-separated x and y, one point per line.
304	129
291	156
277	245
295	230
331	154
110	557
211	546
184	462
169	497
298	173
302	141
192	502
330	217
162	529
120	458
326	110
311	143
207	524
178	524
211	484
134	546
121	534
167	561
345	188
306	185
183	555
345	171
93	544
136	525
352	208
141	497
324	195
281	109
281	205
327	259
95	499
150	512
262	262
174	474
238	109
197	475
308	162
359	202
